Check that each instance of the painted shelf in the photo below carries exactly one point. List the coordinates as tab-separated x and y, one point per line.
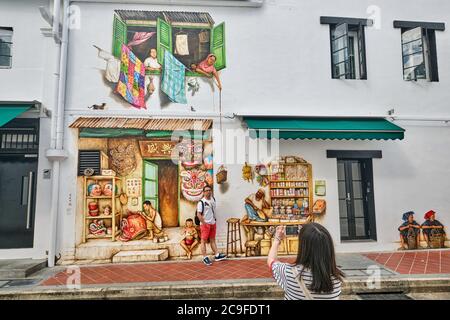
101	197
101	217
115	219
290	197
289	187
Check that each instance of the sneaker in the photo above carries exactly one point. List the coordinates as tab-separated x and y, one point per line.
220	257
206	261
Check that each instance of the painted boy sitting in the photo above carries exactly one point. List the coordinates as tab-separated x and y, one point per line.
409	232
190	239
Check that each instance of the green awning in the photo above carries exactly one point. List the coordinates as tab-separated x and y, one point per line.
189	134
109	133
127	132
323	128
11	111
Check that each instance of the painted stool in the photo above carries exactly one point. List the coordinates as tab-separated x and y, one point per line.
233	236
253	248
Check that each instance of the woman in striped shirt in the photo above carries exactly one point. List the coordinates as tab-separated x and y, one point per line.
314	274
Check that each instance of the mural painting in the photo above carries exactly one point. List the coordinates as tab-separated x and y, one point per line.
284	197
148	191
176	47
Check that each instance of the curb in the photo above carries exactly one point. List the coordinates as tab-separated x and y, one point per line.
235	290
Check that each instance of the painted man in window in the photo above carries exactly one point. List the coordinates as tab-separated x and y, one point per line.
433	230
409	232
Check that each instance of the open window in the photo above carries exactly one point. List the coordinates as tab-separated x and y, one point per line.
419	54
5	47
189	36
348	55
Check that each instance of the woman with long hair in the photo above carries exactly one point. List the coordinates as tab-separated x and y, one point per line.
314	275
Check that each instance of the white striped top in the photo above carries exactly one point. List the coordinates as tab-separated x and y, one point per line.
284	275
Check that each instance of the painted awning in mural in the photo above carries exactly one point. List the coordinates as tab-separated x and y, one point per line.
324	128
170	124
169	16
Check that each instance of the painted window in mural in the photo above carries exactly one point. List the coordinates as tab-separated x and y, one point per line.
190	36
151	184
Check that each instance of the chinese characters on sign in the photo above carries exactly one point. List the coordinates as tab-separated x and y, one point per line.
134	187
157	149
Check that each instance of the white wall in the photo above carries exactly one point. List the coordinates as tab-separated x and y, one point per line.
411	175
278	59
278	62
31	77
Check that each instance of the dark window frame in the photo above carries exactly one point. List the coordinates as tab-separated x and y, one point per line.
11	44
353	25
429	34
369	204
355	154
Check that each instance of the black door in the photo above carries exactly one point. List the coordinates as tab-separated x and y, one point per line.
17	201
356	200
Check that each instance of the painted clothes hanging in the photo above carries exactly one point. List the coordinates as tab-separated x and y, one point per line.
173	79
131	85
181	45
140	37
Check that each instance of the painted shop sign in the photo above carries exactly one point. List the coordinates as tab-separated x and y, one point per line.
158	149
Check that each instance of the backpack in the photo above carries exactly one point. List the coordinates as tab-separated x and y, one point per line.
196	219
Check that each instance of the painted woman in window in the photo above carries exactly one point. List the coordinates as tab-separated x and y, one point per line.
206	67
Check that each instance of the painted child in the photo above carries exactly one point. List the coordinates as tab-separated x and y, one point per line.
190	239
430	224
409	223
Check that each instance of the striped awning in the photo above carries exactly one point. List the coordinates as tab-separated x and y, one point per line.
171	124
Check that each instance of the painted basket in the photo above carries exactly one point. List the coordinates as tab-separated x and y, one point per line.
221	175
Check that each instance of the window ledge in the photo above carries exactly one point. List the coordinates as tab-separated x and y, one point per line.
359	241
212	3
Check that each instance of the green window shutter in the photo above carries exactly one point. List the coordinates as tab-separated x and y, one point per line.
164	39
150	190
218	45
119	36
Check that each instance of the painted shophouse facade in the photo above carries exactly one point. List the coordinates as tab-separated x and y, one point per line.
335	110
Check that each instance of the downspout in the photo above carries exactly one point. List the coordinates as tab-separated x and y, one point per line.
56	153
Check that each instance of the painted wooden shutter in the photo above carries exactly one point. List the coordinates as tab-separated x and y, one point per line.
151	184
164	38
218	45
119	36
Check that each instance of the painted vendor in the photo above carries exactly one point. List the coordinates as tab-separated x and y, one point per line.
409	229
257	207
431	226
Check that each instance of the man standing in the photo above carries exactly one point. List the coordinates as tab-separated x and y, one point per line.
206	214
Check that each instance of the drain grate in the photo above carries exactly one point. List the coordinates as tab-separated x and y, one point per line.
22	282
384	296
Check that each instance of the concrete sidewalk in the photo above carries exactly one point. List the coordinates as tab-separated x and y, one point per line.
247	278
